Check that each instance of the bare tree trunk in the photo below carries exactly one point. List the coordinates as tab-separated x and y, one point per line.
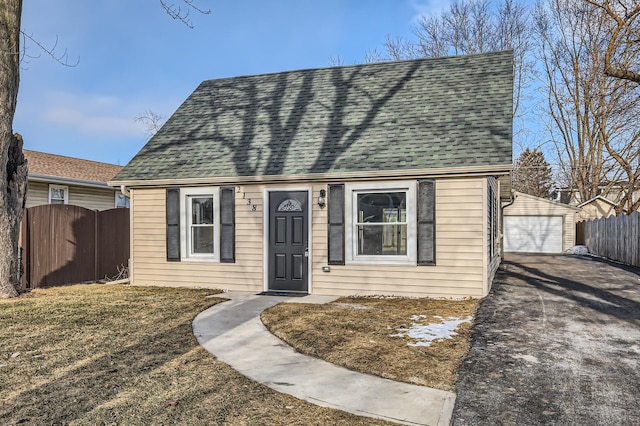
13	167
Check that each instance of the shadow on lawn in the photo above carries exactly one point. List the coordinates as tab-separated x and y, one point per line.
89	385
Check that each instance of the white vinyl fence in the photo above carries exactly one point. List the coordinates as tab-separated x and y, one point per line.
615	237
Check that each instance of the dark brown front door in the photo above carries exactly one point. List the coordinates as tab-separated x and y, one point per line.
288	241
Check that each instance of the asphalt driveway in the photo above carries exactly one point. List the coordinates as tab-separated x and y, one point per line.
557	341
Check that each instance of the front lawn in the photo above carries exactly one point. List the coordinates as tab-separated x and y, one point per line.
119	355
371	335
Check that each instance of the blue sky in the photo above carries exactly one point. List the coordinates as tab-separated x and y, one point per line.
133	58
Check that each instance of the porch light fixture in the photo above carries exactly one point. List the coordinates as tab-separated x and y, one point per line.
321	200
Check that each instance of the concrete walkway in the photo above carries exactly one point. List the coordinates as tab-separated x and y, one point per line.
233	332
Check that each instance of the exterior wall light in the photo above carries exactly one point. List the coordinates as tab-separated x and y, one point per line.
321	199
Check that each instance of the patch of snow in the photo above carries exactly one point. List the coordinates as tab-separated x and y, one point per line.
578	250
427	333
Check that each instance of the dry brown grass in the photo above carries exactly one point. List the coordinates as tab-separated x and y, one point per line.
354	333
113	354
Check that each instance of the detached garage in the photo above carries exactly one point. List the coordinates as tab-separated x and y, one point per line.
536	225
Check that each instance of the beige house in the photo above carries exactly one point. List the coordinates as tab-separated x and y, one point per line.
536	225
376	179
596	208
57	179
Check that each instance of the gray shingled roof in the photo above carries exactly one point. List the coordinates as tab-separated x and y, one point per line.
419	114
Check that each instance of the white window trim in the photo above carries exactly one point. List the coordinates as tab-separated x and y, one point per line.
351	191
66	192
185	221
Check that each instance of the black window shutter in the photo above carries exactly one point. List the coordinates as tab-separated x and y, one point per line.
173	225
227	224
426	222
336	225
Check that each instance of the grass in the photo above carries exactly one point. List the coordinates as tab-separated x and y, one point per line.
112	354
354	333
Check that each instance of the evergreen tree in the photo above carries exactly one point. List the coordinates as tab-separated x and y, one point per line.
532	174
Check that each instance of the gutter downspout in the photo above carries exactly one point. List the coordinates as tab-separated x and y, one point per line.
125	192
513	200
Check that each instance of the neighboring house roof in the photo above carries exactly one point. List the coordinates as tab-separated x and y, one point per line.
600	198
426	114
59	168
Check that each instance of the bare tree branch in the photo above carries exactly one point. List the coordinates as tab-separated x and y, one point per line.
180	14
625	35
591	118
335	61
152	120
62	59
374	55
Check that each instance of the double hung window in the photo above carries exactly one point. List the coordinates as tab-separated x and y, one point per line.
200	224
58	194
381	223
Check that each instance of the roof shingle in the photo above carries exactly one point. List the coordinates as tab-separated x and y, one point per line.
42	163
419	114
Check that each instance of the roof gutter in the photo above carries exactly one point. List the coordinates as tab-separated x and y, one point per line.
323	177
67	181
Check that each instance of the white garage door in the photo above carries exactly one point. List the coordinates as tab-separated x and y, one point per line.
533	234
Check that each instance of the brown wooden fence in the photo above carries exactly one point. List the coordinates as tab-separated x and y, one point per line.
615	237
64	244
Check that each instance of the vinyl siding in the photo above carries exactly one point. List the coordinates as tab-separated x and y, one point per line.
89	198
525	205
460	243
595	210
148	237
459	252
37	194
